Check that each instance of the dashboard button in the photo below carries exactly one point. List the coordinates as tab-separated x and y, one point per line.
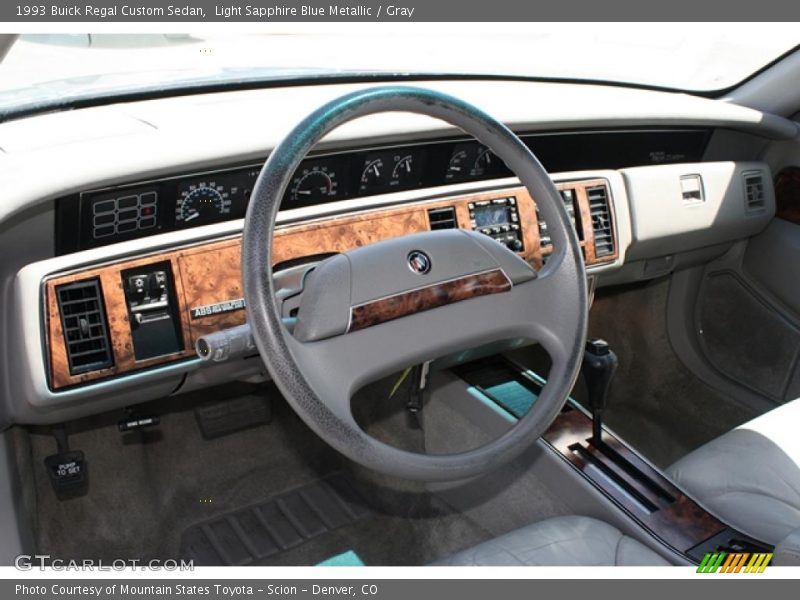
126	226
128	202
148	199
137	284
104	231
105	206
130	214
104	219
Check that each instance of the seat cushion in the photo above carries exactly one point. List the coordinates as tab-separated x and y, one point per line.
750	476
561	541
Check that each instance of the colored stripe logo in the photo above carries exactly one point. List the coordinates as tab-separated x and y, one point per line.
734	562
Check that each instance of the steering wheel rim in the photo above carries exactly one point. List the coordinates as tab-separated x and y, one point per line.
285	357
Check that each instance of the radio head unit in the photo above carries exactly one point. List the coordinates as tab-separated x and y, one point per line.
499	220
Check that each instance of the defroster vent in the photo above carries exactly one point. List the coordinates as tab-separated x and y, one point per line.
442	218
602	221
83	319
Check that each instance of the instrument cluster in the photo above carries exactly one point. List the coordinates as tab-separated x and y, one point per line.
130	211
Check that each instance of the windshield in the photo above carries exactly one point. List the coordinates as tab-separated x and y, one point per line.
55	69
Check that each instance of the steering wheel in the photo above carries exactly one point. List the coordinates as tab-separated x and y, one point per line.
379	308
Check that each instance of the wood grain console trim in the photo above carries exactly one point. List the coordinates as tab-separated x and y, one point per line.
433	296
663	508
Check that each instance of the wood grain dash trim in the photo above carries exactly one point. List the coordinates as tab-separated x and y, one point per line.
427	298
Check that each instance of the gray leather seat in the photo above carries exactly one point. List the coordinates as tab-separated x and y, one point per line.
561	541
750	477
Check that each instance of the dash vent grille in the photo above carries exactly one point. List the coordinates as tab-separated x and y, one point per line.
602	223
442	218
83	320
754	192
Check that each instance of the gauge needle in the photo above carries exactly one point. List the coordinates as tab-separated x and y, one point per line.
194	215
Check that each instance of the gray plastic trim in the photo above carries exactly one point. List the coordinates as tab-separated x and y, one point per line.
664	223
682	330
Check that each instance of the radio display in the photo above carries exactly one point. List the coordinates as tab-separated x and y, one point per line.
492	214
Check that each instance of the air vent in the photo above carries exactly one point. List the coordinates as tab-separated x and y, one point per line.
83	320
602	223
754	192
442	218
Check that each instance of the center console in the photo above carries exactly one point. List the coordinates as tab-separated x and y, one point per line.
604	462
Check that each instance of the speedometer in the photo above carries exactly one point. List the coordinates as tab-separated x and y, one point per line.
202	203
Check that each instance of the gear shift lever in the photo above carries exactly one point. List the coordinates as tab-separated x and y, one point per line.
599	365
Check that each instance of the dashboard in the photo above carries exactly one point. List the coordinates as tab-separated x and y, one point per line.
126	249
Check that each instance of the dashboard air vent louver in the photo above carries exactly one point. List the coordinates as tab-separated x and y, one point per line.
83	320
602	223
754	192
442	218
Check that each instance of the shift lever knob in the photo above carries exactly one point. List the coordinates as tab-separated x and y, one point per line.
599	366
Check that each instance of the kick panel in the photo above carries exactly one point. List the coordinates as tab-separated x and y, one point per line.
192	291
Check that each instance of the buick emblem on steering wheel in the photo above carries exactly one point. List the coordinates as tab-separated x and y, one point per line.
419	262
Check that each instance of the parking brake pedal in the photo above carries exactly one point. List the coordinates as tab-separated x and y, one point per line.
68	470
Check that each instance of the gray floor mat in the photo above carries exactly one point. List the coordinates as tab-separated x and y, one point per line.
253	534
147	489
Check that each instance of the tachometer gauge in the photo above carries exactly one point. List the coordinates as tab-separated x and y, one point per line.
403	171
373	175
313	186
202	203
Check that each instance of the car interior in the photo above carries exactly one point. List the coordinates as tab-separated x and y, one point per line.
403	319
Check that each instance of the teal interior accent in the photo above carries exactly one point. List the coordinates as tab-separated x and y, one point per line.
502	385
513	396
345	559
491	404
